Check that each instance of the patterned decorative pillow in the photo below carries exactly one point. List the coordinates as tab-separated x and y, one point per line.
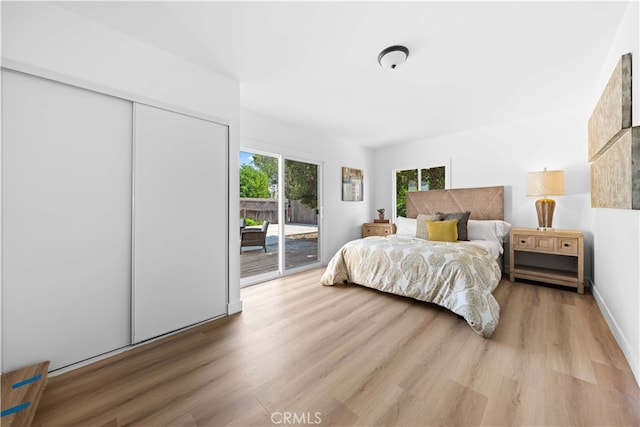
443	231
421	225
462	217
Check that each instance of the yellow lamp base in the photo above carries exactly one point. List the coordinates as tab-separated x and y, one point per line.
545	208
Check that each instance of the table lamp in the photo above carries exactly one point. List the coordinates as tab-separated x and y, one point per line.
545	183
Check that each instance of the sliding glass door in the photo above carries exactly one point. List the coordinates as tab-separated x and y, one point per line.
301	213
286	215
259	215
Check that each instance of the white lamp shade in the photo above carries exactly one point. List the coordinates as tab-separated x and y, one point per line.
545	183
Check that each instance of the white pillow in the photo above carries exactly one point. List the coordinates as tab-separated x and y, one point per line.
406	226
503	228
490	230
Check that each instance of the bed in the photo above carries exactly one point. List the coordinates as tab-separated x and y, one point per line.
459	276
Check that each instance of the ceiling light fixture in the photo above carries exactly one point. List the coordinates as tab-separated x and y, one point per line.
393	56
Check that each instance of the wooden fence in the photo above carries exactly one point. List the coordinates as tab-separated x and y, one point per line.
261	209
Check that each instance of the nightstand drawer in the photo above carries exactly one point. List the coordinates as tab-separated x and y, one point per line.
523	242
378	229
567	245
544	243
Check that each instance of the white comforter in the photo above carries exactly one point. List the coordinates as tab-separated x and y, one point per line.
459	276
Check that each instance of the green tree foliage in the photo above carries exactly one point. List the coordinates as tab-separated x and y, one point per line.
253	182
268	165
301	182
402	188
300	179
434	177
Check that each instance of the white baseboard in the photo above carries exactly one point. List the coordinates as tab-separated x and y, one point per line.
617	333
234	307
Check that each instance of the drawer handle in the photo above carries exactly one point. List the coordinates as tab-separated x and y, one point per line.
523	242
566	245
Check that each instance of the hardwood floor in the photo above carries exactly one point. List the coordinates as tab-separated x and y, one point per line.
346	355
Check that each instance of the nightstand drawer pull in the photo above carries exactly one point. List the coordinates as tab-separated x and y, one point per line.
568	245
523	242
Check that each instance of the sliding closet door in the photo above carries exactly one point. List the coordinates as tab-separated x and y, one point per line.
180	221
66	222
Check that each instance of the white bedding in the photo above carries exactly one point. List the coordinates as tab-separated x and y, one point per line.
459	276
494	248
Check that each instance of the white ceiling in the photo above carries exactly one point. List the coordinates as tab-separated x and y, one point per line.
314	64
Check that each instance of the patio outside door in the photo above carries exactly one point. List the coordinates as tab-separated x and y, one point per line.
301	214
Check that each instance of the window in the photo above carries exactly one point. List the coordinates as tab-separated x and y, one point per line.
423	179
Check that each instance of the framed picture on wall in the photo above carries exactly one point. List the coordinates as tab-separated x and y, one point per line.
352	180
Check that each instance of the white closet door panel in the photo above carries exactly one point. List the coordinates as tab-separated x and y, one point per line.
180	221
66	222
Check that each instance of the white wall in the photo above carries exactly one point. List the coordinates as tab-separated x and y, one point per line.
342	220
43	35
617	232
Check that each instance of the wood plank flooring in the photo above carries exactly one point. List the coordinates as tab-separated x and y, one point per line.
301	353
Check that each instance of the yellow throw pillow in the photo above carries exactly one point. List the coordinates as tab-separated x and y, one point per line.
443	231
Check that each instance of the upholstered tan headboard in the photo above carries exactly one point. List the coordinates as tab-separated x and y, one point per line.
483	202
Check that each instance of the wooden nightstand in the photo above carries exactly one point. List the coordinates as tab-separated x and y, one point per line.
554	244
378	229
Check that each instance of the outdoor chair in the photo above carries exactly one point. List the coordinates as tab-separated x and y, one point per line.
254	236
